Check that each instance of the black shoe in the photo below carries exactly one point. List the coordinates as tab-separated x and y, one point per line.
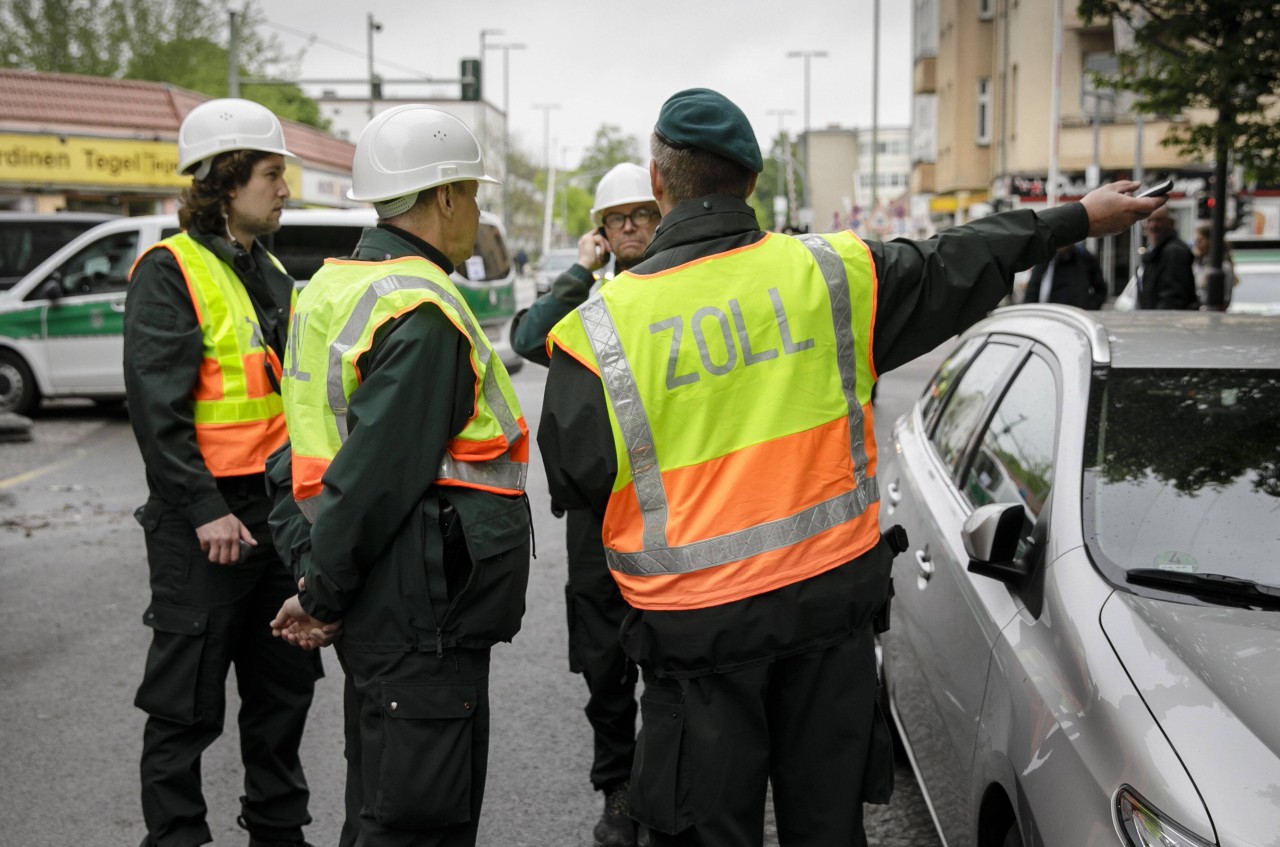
615	827
258	842
642	835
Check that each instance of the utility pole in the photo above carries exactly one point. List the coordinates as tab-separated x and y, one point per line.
506	125
779	197
374	84
233	57
484	34
1055	105
551	173
875	107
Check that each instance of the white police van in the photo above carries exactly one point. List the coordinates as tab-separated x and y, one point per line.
61	325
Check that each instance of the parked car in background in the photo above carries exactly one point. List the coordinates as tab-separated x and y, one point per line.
1085	639
551	265
61	326
1257	289
28	238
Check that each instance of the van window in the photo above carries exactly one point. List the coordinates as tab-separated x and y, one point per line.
303	249
492	250
26	243
101	267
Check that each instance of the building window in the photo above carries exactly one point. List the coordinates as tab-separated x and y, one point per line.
984	111
986	9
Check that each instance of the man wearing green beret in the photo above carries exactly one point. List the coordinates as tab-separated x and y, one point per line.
714	402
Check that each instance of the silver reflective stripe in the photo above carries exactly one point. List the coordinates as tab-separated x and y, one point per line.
359	319
624	395
494	473
309	507
833	271
736	546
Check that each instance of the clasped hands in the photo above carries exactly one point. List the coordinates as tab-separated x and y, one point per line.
293	624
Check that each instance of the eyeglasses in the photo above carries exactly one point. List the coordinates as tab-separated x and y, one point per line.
638	217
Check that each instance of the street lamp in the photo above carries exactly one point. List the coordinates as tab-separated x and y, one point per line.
506	124
807	55
551	174
484	33
374	26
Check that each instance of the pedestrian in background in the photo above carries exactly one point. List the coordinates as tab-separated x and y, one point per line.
1072	277
402	501
1167	281
204	330
1200	266
714	403
626	216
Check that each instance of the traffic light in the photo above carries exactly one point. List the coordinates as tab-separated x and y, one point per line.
1204	205
470	79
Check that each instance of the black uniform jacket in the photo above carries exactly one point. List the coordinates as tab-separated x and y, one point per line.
1168	280
926	292
375	556
163	349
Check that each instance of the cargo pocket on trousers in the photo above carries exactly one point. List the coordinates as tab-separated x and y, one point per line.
169	681
877	776
659	795
424	776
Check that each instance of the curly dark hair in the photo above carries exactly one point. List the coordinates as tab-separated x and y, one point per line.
203	201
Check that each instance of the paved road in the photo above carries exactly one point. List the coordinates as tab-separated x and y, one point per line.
72	589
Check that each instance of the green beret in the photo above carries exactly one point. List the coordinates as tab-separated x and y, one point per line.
707	120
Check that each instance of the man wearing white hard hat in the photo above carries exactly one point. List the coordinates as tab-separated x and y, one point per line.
627	217
204	331
401	497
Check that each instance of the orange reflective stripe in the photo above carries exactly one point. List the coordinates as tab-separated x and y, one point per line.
209	384
455	483
746	486
237	449
256	383
755	575
554	343
490	448
308	471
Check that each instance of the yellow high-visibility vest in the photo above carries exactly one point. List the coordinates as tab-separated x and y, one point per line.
339	312
739	393
239	416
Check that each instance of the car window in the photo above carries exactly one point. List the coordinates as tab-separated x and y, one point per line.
1014	461
963	405
25	244
101	267
935	393
1182	471
303	249
490	259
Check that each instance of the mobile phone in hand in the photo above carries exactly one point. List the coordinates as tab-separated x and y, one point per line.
1159	189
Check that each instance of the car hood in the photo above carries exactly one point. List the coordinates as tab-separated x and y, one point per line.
1211	677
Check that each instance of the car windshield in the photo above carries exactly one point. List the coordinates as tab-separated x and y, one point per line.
1182	472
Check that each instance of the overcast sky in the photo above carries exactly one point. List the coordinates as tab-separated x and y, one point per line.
616	63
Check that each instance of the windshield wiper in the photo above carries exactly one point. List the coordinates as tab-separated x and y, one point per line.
1223	589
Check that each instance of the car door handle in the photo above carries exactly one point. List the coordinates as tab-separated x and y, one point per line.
895	493
117	306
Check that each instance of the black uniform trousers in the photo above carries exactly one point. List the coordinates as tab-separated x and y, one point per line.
205	618
807	724
595	609
417	746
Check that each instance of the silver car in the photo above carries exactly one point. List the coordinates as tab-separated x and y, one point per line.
1085	640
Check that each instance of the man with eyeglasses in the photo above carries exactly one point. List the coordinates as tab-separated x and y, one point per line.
628	216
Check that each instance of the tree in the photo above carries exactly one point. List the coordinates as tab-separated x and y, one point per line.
138	39
1221	55
609	148
773	183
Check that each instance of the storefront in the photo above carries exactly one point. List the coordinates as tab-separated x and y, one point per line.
80	143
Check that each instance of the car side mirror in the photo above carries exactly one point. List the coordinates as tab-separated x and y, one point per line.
991	537
51	289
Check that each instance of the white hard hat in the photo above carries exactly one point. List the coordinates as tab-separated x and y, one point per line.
410	148
219	126
625	183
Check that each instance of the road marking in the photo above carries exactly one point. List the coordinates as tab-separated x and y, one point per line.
39	472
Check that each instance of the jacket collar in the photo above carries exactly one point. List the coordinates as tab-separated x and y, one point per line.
700	219
377	244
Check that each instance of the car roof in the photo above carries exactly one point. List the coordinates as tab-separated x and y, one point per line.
26	217
1157	339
